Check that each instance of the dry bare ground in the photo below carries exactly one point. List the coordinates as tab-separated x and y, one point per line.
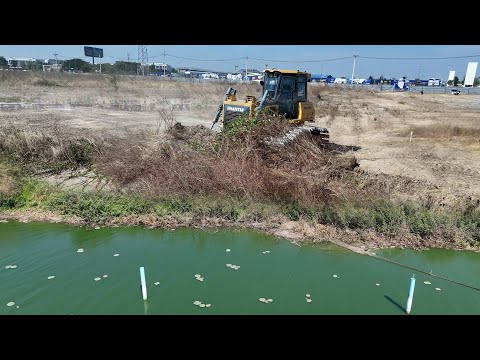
443	152
429	144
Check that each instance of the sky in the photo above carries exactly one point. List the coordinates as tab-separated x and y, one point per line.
412	61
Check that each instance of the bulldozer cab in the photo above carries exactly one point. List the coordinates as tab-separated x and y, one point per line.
284	89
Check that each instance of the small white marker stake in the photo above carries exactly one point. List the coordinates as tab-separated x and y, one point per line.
410	294
144	285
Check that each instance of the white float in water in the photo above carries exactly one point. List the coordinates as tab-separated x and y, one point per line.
11	303
8	266
208	305
308	300
228	250
105	276
229	265
410	294
156	283
196	302
97	279
202	305
116	254
269	300
51	277
427	283
97	227
377	284
13	266
197	275
335	275
80	250
18	307
438	289
262	299
144	284
307	295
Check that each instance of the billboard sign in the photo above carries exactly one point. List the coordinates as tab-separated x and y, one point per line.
93	52
451	75
470	75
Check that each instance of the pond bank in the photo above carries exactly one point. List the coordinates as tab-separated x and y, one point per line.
297	232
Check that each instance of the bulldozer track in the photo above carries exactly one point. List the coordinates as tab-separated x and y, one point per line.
292	134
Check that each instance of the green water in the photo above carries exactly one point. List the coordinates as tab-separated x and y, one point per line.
286	274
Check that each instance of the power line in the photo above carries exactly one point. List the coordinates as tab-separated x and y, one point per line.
419	58
303	61
293	61
183	58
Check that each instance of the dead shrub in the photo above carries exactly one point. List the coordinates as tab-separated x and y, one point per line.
240	166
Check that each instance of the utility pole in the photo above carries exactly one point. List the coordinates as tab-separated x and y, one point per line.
246	68
128	57
353	70
56	61
142	59
164	64
266	66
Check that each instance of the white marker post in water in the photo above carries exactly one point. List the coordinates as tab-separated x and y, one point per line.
410	294
144	284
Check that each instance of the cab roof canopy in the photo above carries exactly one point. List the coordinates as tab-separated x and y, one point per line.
292	72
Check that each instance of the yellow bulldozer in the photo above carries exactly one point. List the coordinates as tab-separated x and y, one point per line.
284	92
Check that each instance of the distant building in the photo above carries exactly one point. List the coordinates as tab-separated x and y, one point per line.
340	80
18	62
322	78
53	67
163	67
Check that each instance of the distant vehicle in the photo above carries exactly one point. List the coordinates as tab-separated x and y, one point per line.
341	80
434	82
455	92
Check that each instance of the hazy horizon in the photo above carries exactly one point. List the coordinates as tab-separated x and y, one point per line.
412	61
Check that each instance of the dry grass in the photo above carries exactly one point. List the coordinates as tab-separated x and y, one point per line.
51	147
8	184
443	131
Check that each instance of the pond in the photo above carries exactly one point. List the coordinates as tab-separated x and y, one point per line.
58	269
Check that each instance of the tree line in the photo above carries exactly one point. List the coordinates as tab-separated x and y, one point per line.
130	68
82	66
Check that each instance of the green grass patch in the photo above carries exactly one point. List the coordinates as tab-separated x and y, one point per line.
96	207
384	217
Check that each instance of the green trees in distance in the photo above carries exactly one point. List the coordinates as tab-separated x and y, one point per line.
3	62
77	65
120	67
